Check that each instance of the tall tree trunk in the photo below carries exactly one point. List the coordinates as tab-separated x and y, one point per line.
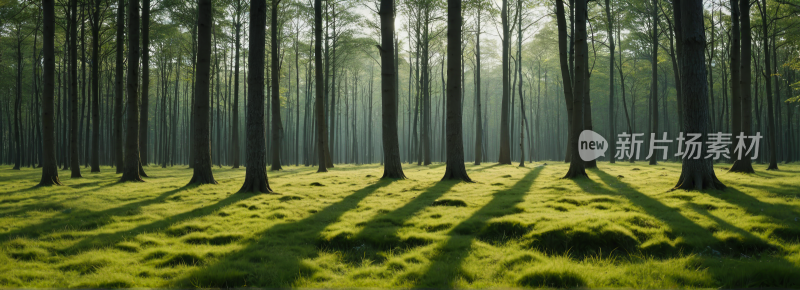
744	114
256	171
74	153
505	146
478	116
322	128
654	79
118	86
202	137
145	98
771	140
96	88
611	47
566	77
277	126
49	166
132	164
455	169
392	165
577	165
235	121
696	174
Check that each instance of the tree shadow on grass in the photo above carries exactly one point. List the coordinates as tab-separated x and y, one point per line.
275	257
694	236
109	239
85	219
446	263
381	232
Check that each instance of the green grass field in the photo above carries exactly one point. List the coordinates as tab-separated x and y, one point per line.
514	227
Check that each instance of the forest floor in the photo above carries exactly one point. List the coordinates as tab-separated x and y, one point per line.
514	227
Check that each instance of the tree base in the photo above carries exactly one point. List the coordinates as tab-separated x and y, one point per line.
131	178
141	171
590	164
742	166
698	182
255	185
773	167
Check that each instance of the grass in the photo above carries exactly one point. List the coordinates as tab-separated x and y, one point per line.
514	227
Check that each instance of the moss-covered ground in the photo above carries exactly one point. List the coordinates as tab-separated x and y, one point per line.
514	227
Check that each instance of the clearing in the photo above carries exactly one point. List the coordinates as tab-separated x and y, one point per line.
515	227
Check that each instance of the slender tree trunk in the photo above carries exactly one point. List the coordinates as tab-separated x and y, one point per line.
74	153
455	169
202	137
478	116
277	126
49	165
611	124
322	129
744	112
256	171
505	146
392	165
96	88
577	165
771	139
654	79
132	164
696	174
118	86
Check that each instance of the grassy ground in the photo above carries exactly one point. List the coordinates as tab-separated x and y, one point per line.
346	228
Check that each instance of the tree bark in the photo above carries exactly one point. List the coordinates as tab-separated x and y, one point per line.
577	165
455	169
132	164
771	140
256	180
505	146
745	75
277	126
696	174
202	137
392	165
74	153
118	87
96	23
320	83
49	166
478	116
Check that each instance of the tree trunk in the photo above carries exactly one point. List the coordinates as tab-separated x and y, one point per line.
118	87
654	79
256	171
505	146
771	140
132	164
696	174
455	169
74	153
96	88
322	129
49	166
392	165
277	127
577	165
478	117
744	114
202	137
611	124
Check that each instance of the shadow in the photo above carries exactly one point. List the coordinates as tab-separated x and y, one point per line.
779	213
109	239
486	167
381	232
86	219
693	235
446	264
274	258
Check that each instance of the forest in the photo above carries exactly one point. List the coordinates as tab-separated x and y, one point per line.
399	143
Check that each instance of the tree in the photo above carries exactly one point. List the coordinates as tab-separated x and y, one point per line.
132	164
322	128
277	127
773	150
696	174
744	114
505	145
118	85
74	161
49	166
239	11
255	179
145	98
392	165
478	116
201	138
454	169
577	165
96	23
610	36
